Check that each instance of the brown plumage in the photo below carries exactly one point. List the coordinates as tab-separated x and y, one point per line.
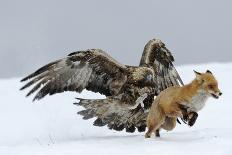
127	88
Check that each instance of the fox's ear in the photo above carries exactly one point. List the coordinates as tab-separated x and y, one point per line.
198	75
208	71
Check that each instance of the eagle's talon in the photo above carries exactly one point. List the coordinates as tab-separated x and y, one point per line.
142	105
139	102
136	106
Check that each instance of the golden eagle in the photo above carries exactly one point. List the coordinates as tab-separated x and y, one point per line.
129	90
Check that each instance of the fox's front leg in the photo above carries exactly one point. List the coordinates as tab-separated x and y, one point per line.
192	117
189	117
175	112
183	112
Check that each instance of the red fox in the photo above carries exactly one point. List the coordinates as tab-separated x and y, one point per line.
169	104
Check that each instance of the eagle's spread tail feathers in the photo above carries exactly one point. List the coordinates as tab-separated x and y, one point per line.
113	113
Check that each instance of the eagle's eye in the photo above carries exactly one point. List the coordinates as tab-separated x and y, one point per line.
149	77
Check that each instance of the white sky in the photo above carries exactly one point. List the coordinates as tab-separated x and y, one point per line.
32	33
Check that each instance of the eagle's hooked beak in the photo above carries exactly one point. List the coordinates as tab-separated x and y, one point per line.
150	79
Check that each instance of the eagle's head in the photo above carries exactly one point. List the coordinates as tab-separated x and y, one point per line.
143	76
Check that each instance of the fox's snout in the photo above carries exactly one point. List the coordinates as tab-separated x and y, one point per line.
216	94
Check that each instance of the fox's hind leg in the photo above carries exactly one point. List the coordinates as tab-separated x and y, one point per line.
169	124
157	133
149	132
153	128
154	121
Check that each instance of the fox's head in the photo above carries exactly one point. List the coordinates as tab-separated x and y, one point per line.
208	83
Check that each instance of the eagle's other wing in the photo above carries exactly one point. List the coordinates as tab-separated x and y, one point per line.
114	113
158	57
92	69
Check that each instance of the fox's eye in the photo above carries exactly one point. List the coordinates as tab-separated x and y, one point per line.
210	86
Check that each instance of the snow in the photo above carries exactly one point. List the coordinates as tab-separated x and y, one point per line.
52	127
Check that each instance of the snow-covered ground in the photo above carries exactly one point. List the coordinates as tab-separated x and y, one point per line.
51	126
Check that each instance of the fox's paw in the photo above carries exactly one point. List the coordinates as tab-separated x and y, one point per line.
192	118
147	135
185	119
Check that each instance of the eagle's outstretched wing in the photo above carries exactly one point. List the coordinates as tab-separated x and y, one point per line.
158	57
93	70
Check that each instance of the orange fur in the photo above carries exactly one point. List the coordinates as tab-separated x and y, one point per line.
166	108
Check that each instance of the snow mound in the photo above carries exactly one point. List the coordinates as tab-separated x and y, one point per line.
51	126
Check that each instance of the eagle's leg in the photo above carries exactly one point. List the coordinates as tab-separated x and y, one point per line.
139	101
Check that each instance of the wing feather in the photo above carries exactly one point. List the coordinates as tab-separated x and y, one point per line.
114	113
158	57
93	70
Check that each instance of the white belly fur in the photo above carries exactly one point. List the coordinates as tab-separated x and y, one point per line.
198	101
